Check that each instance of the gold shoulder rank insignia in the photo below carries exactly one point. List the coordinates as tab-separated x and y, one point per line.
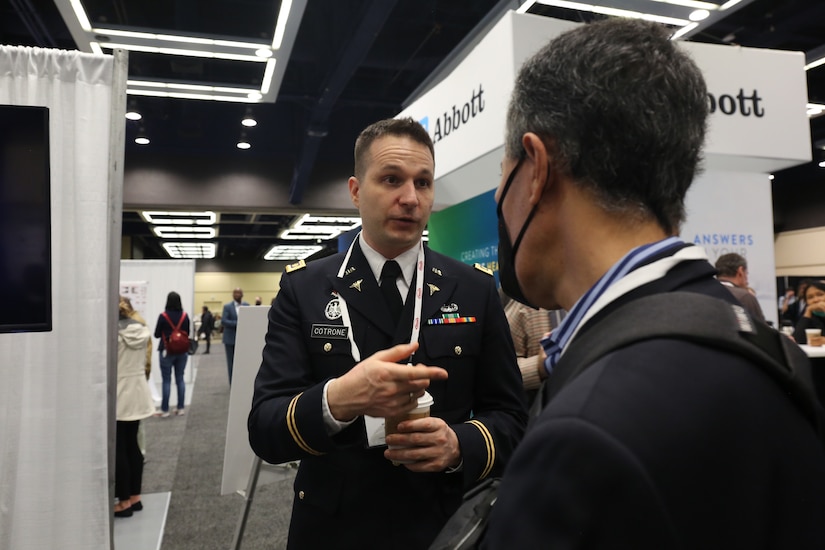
483	269
296	266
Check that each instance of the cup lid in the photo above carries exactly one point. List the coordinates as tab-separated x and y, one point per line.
425	400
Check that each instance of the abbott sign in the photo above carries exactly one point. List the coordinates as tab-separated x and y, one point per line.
756	97
465	113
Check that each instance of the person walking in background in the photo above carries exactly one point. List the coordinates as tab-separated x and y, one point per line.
664	443
133	404
316	387
168	361
229	323
207	326
732	271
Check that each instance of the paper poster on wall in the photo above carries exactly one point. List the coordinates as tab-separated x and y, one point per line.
468	231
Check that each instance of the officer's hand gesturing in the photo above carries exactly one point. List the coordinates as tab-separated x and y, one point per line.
379	386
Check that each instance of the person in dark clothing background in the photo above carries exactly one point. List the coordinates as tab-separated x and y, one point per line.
207	326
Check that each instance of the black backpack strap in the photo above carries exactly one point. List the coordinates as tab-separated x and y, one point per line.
696	318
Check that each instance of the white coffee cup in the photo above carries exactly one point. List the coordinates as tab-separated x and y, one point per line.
812	332
422	410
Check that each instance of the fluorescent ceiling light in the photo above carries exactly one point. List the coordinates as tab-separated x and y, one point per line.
181	52
690	4
815	110
699	15
728	5
80	13
142	140
185	86
206	97
269	72
280	24
684	30
186	232
815	63
291	252
249	122
152	37
133	115
309	227
243	145
606	10
191	250
285	32
822	164
160	217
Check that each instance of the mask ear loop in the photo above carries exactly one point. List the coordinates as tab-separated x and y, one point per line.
507	185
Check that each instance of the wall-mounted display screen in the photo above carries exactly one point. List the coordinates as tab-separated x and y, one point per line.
25	220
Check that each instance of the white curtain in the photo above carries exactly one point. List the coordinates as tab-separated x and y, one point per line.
54	426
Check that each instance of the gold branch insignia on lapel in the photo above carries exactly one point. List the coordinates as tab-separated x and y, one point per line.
433	288
357	285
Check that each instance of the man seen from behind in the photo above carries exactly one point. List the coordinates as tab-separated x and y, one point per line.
664	443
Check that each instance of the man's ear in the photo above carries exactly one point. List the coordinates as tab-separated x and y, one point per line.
538	163
354	188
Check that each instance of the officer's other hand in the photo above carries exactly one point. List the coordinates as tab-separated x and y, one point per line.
424	445
379	386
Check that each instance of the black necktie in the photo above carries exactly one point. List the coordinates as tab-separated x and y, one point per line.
389	288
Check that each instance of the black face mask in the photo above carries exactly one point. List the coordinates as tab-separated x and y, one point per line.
507	249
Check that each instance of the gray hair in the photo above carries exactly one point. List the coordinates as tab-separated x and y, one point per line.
623	111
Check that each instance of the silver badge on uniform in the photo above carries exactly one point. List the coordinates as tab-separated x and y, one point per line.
333	309
449	308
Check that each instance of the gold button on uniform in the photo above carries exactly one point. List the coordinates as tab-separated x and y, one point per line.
301	495
327	347
457	350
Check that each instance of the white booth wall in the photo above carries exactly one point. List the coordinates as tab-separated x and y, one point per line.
56	399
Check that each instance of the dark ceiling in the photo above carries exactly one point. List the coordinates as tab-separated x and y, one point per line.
353	62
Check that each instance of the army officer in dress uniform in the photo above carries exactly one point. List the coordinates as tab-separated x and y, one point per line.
336	363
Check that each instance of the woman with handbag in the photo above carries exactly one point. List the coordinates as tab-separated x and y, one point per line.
172	320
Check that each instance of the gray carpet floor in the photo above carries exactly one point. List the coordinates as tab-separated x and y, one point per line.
185	456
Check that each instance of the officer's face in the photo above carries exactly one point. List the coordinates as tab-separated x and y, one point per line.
395	196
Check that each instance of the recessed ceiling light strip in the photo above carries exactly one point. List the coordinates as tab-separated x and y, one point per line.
280	24
690	4
269	71
167	217
186	86
185	232
205	97
606	10
181	52
191	251
291	252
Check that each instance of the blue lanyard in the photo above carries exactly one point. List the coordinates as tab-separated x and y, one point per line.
559	338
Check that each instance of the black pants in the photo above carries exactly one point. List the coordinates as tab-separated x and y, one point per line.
208	335
128	460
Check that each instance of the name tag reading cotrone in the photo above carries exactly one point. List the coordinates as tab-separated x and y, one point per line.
336	332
